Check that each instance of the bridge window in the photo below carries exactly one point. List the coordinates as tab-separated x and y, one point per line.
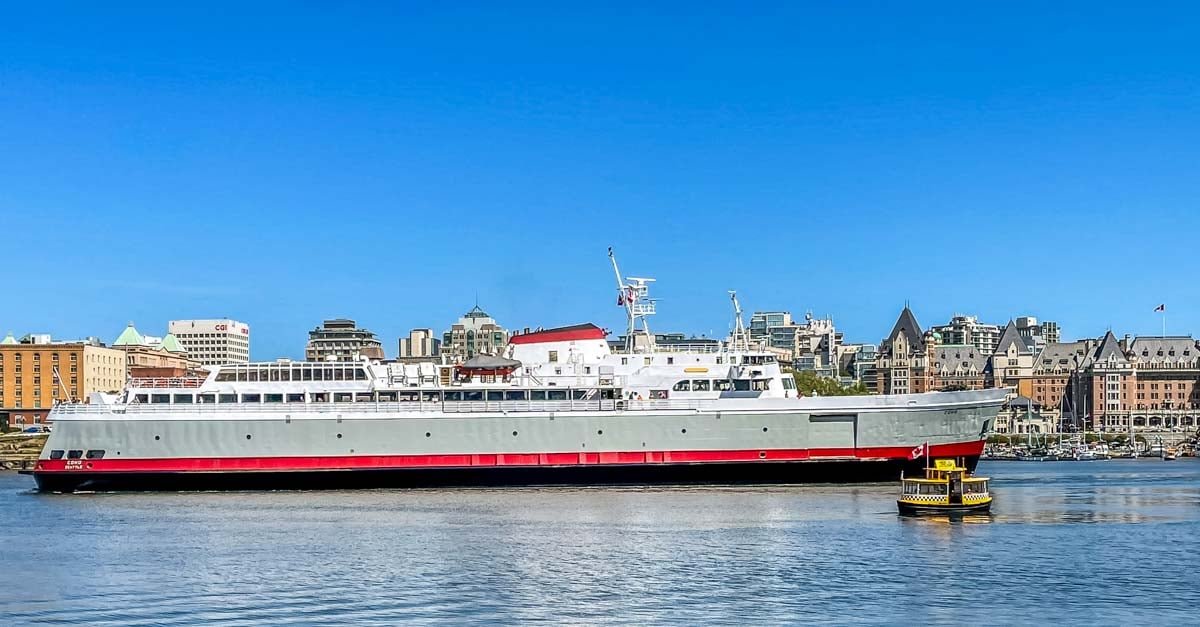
700	385
74	454
722	385
683	386
56	454
95	454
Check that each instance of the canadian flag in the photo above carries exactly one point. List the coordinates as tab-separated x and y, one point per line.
919	451
1162	307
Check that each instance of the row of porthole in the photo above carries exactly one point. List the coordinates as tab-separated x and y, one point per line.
429	435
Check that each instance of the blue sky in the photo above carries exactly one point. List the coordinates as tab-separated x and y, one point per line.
390	162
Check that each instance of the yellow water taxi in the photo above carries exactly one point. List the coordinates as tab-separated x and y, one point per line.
946	487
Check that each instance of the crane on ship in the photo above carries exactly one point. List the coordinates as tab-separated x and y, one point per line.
633	293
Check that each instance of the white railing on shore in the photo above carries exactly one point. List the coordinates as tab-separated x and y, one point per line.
448	407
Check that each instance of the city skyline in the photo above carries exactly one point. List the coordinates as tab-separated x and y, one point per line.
390	165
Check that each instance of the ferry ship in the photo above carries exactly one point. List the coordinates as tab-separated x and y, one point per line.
559	407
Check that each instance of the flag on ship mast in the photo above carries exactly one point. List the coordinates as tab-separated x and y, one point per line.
919	451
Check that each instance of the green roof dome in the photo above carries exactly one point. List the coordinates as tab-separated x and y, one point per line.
129	337
171	344
9	340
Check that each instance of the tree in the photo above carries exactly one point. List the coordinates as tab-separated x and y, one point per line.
810	383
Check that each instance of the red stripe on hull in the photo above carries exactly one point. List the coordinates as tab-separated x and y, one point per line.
378	462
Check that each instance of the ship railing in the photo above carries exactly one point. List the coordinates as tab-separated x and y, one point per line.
450	407
166	382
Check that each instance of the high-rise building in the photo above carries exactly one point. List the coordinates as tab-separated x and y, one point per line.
213	342
963	330
420	345
340	339
37	372
762	321
476	333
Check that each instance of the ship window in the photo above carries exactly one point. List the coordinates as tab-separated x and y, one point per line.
553	356
57	454
160	398
556	395
343	397
206	398
646	361
579	395
700	385
295	398
183	399
683	386
274	374
360	374
759	385
95	454
339	374
317	374
409	397
252	375
741	385
387	397
495	395
364	397
538	395
141	398
453	396
285	375
624	361
670	360
789	383
251	398
306	374
272	398
431	397
225	376
227	398
722	385
514	395
472	395
74	454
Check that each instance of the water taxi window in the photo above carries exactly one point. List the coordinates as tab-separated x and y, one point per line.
273	398
700	385
431	397
514	395
160	398
556	395
228	398
931	488
453	395
683	386
538	395
495	395
722	385
183	399
251	398
295	398
387	397
206	398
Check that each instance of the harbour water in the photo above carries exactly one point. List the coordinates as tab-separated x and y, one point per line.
1076	542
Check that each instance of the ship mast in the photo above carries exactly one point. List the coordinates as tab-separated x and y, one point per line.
634	296
740	341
